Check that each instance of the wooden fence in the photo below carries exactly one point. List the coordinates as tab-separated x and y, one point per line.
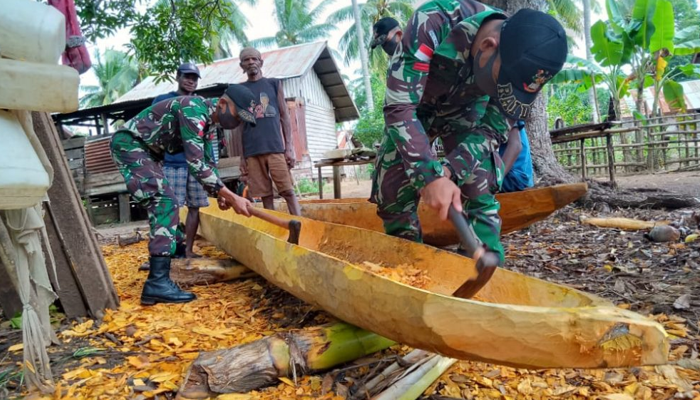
668	143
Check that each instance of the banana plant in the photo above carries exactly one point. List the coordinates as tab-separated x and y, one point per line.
639	34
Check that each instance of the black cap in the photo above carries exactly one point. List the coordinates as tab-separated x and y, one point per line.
188	68
533	49
381	29
244	100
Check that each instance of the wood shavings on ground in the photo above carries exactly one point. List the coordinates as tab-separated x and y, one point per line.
141	352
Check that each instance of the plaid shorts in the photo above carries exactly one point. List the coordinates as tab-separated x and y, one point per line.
187	190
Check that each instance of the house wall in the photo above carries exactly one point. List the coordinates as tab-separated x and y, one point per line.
319	116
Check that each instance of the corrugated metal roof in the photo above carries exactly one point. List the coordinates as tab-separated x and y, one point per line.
284	63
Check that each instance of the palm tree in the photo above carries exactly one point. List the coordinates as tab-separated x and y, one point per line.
231	30
116	73
370	12
298	23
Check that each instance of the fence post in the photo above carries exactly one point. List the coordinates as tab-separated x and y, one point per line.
611	159
583	159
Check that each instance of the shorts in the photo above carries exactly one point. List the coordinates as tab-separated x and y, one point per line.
265	169
187	190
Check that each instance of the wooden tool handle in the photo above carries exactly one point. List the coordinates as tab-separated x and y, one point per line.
282	223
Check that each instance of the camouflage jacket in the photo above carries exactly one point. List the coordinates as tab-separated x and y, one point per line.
181	124
431	89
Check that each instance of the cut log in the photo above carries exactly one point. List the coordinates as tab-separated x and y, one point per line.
206	271
626	224
128	240
602	193
261	363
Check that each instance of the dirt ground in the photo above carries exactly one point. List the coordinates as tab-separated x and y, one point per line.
154	345
687	183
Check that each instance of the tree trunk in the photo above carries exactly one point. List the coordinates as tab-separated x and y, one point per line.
363	55
595	115
544	162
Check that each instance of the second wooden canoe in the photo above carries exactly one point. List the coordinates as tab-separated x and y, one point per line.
515	319
518	210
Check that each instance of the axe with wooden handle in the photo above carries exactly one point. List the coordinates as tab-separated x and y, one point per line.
486	261
293	225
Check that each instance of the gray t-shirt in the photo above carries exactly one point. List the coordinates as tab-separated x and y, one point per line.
265	137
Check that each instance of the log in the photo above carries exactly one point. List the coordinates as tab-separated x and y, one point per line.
600	192
206	271
261	363
626	224
129	240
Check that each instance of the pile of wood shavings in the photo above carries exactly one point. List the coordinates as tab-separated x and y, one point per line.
406	274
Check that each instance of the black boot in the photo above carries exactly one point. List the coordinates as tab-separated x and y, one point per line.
159	288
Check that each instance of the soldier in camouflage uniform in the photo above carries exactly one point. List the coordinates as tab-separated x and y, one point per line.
464	73
172	126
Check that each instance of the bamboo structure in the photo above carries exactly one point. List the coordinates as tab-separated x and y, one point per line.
667	141
514	320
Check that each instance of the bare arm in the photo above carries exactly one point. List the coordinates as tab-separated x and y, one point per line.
284	117
514	148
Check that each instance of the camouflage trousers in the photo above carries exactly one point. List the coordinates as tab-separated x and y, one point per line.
479	174
148	186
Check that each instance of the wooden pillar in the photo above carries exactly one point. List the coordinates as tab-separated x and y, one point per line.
105	124
124	208
336	181
582	153
98	129
320	184
611	159
76	242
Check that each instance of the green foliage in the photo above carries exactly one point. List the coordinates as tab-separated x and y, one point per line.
167	32
116	74
370	127
673	94
298	22
370	12
16	321
307	186
640	34
570	103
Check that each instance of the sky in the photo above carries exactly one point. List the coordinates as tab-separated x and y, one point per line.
262	24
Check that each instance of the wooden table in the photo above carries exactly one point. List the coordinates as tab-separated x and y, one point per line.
336	164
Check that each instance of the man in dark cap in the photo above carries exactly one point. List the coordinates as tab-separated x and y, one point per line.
386	33
466	73
172	126
268	154
187	190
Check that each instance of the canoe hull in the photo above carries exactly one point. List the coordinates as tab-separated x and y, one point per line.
518	210
521	321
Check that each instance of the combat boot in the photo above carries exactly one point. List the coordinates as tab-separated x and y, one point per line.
159	288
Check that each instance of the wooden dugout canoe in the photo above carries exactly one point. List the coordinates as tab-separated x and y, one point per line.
518	320
518	210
